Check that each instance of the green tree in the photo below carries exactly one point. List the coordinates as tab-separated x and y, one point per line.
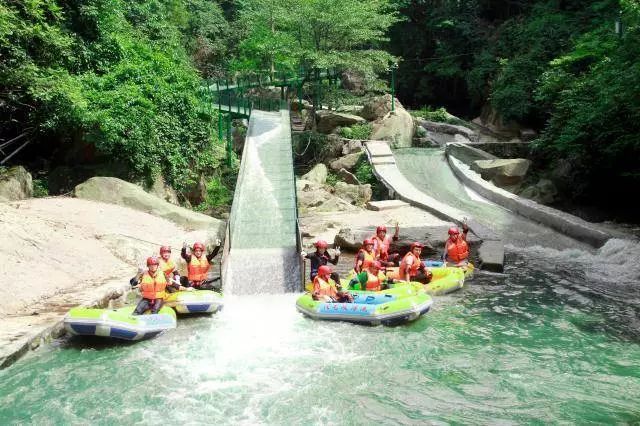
343	34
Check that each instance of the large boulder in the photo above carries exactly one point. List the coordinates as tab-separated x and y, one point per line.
354	194
161	190
318	174
395	127
330	120
349	146
15	184
314	198
350	109
446	128
353	81
433	237
347	162
502	171
378	107
116	191
348	177
543	192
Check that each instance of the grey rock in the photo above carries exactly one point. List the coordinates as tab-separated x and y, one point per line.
353	81
433	237
449	129
116	191
395	127
503	172
15	184
317	174
348	177
354	194
313	197
350	109
328	121
163	191
350	146
347	162
378	107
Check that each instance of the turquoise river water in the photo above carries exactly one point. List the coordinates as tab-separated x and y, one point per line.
535	345
556	339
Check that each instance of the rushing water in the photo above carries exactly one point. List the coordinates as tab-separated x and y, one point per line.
554	339
531	345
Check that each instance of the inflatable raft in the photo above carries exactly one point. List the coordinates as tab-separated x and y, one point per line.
118	323
194	302
389	307
445	280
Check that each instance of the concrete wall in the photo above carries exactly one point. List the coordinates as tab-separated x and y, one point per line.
560	221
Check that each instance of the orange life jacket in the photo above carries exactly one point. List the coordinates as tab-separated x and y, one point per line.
457	250
381	247
413	268
374	282
324	288
167	267
153	287
368	260
198	268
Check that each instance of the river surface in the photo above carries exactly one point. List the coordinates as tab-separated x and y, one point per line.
554	339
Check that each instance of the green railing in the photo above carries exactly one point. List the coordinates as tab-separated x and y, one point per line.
237	96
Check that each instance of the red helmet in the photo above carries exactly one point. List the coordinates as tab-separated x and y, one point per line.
324	270
416	245
165	249
376	265
321	244
381	228
198	246
453	231
152	261
367	242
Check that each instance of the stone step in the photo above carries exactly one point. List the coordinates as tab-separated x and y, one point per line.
385	205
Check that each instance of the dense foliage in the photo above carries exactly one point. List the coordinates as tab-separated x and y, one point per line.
112	79
316	34
555	65
119	81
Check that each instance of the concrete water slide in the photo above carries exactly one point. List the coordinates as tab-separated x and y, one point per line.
262	246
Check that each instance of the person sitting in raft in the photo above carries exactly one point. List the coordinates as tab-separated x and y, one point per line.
168	267
365	256
372	279
321	257
198	266
325	288
456	248
152	288
382	243
412	268
376	279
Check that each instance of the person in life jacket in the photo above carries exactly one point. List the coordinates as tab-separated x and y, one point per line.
168	267
381	244
152	285
372	279
365	256
412	268
376	279
321	257
198	266
325	288
456	248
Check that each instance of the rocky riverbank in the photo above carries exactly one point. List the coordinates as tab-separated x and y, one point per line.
59	252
